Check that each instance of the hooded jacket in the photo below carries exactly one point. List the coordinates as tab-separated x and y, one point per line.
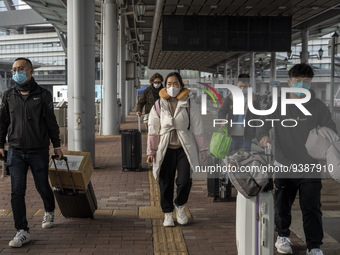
290	141
192	140
29	123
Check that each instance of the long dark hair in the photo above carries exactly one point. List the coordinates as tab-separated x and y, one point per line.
179	77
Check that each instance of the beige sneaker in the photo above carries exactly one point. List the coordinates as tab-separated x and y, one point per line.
180	215
168	220
48	220
21	237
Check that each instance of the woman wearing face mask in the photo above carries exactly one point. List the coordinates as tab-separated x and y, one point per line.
241	133
175	144
149	96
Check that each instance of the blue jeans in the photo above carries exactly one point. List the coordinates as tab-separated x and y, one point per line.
240	142
18	164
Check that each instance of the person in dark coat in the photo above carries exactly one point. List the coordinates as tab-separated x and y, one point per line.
297	175
149	96
28	123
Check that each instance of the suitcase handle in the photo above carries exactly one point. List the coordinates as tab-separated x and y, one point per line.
58	175
139	123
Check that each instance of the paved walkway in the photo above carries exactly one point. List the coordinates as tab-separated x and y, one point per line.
129	219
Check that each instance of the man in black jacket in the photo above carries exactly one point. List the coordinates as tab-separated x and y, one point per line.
296	165
27	120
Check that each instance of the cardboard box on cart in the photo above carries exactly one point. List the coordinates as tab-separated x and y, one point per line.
81	169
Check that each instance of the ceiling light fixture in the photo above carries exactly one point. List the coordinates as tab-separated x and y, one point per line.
141	51
141	36
140	6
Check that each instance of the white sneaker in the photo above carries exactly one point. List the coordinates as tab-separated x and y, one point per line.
168	220
180	215
283	245
48	220
21	237
314	252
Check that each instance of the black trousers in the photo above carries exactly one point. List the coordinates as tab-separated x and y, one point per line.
309	198
175	159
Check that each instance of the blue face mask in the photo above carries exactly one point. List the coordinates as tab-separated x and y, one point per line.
19	78
300	85
245	91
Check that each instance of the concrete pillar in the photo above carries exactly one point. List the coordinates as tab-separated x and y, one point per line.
122	65
70	76
88	73
81	76
129	95
304	46
110	49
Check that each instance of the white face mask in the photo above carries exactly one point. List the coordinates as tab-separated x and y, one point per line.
172	91
157	85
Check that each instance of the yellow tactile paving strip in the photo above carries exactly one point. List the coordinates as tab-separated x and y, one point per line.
165	240
168	240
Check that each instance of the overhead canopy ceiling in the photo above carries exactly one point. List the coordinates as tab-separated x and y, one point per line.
318	16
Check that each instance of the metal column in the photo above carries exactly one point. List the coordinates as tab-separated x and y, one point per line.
110	50
272	69
237	69
334	38
126	109
304	46
252	71
225	73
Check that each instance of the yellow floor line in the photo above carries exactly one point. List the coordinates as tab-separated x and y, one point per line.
168	240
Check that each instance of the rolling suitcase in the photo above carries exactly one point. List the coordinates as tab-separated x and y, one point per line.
255	220
255	224
132	148
73	202
218	185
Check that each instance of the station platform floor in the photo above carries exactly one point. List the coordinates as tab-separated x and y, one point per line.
129	219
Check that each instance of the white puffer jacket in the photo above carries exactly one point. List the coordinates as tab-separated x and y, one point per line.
192	140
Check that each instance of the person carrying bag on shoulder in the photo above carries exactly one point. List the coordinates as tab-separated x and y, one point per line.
175	144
